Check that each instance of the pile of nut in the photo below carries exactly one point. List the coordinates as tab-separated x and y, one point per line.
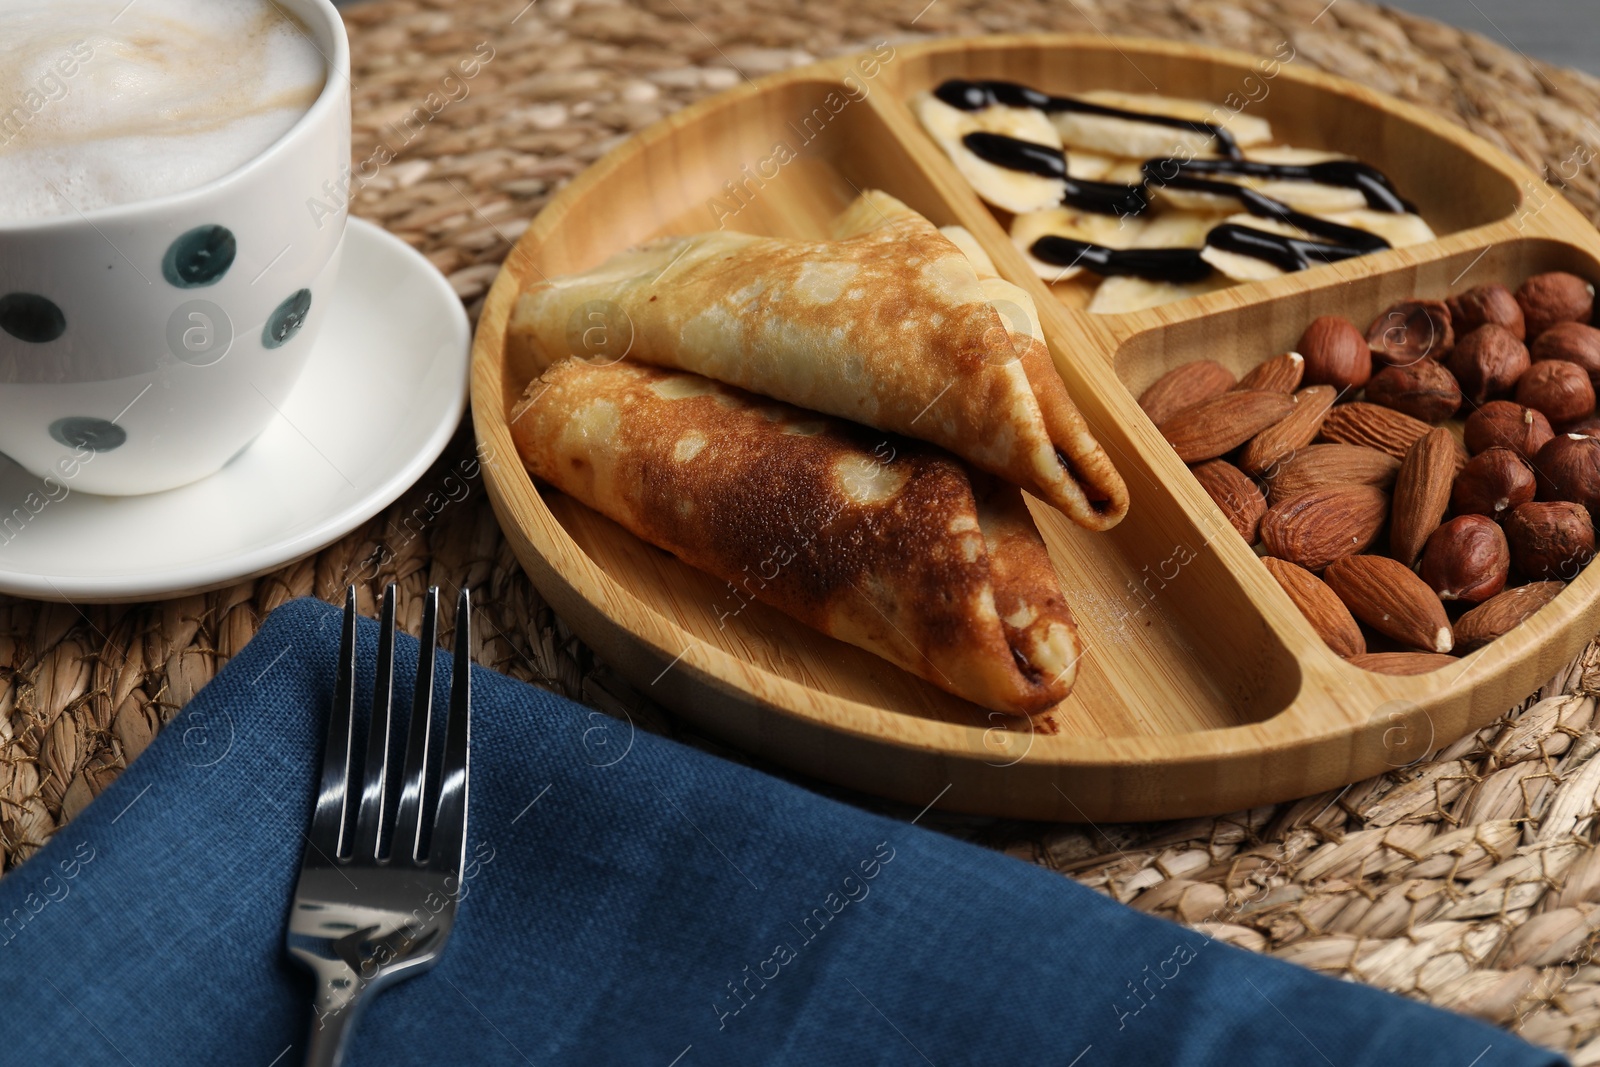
1418	489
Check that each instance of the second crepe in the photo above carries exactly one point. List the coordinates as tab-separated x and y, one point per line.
889	325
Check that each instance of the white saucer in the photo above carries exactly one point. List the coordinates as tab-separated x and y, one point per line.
381	395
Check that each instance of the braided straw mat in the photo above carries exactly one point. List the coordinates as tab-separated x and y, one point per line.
1469	879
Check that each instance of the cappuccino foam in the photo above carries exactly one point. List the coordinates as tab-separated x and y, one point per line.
104	102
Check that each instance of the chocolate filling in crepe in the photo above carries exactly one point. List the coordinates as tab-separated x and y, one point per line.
889	325
865	536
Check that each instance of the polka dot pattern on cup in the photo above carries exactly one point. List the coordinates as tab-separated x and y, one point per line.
31	318
200	257
82	431
286	320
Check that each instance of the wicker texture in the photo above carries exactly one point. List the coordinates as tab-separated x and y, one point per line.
1469	879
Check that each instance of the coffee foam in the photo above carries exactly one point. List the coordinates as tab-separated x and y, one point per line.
100	108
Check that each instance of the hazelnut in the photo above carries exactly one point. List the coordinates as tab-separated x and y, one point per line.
1487	362
1335	353
1492	483
1485	304
1589	427
1573	342
1547	299
1412	330
1503	424
1466	559
1550	542
1423	390
1559	389
1569	469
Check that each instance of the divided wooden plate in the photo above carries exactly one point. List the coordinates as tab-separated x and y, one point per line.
1203	690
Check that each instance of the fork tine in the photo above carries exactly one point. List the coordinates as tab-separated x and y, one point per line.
375	771
408	815
328	821
447	851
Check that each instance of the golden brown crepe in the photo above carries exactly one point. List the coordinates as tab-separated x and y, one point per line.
889	325
865	536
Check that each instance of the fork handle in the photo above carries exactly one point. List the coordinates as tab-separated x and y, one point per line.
325	1046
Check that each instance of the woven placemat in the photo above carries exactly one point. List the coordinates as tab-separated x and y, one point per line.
1469	879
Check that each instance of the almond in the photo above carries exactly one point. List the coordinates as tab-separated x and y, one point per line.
1402	663
1376	427
1219	425
1183	387
1280	374
1297	430
1500	615
1387	596
1232	490
1322	465
1323	525
1325	612
1422	493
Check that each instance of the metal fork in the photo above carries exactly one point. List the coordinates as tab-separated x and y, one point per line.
376	900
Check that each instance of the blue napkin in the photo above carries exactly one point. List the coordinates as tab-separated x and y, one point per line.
627	900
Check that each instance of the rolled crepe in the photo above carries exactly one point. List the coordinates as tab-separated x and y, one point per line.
868	537
890	326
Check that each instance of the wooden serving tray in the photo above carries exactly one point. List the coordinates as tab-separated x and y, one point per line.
1203	689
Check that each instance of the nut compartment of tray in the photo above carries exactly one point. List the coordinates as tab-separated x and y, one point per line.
1215	697
1452	699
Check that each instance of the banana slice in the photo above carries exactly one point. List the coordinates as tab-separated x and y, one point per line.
1089	166
1247	130
1313	198
1010	190
1398	230
1289	154
962	238
1124	172
1241	268
1175	229
1107	230
1193	201
1124	293
1145	140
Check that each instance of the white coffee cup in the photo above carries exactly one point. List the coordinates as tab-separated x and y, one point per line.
128	364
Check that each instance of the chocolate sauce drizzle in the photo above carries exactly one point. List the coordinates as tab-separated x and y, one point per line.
1112	198
1288	254
1158	264
977	95
1372	183
1013	153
